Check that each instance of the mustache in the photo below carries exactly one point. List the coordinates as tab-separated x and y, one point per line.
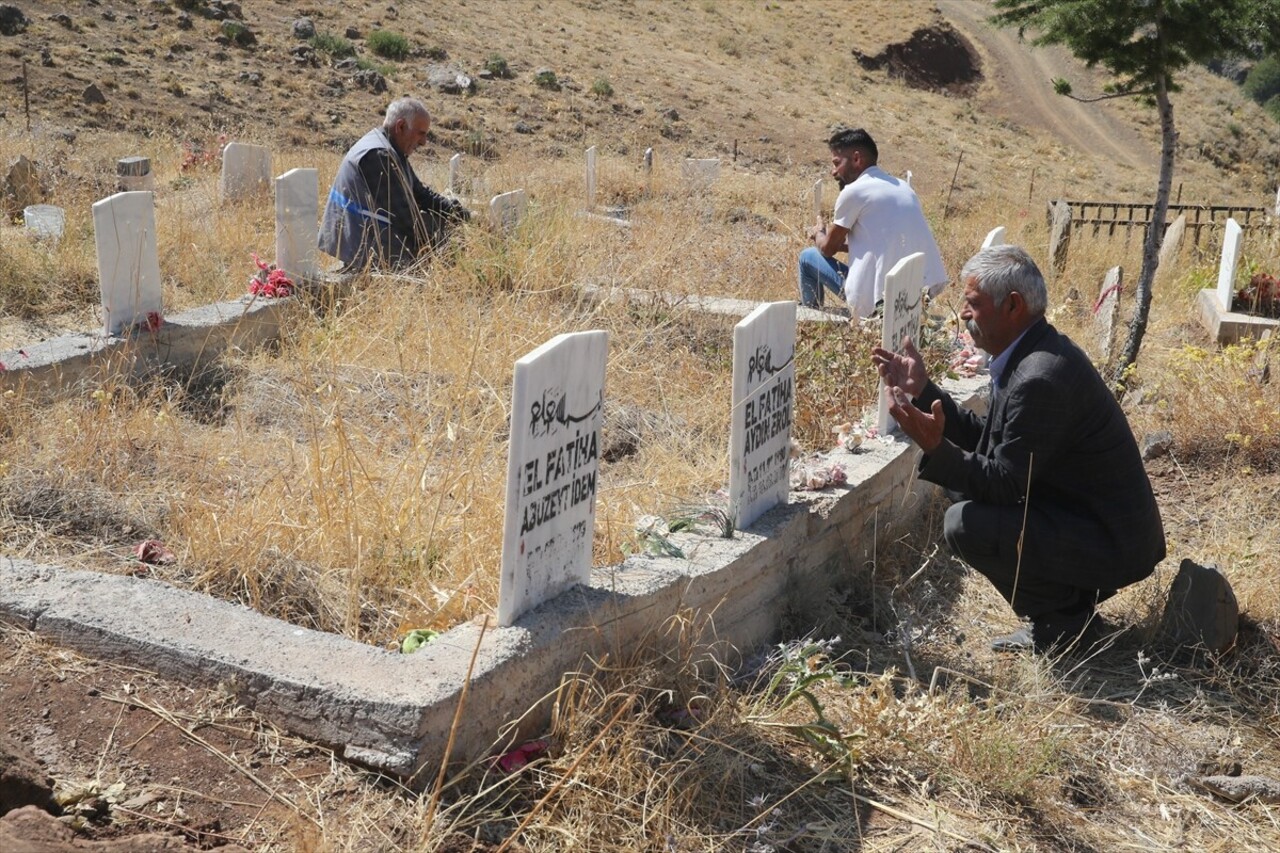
974	332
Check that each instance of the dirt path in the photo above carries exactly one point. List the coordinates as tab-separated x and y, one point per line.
1021	90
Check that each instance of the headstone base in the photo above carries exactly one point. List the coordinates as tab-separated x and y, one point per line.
1201	613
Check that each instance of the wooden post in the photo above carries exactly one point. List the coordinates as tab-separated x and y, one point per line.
26	96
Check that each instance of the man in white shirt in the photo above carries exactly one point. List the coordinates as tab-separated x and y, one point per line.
877	220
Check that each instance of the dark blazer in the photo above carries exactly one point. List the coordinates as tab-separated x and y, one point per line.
1055	432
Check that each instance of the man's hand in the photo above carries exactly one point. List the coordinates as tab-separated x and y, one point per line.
924	428
816	232
903	370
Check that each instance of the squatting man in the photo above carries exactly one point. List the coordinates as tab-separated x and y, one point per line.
1056	509
378	213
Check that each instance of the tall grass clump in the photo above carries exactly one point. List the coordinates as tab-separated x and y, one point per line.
388	44
335	46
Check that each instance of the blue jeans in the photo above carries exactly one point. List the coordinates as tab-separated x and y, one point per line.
817	272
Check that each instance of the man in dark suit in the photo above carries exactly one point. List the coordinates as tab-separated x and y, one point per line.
1058	512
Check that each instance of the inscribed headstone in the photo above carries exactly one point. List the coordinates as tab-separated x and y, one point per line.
817	202
246	170
1227	267
903	305
45	221
700	174
764	348
1105	310
455	174
124	230
506	210
995	237
297	210
591	178
557	411
1171	243
1060	235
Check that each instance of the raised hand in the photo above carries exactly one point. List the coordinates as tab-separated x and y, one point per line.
924	428
903	370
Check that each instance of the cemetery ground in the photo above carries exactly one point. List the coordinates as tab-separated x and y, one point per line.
351	479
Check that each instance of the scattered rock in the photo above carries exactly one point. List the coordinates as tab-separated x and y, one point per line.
46	57
12	21
305	55
349	64
184	21
22	186
449	80
304	28
1237	789
253	78
353	33
33	831
1201	612
239	34
1156	444
230	8
23	782
524	127
671	115
62	19
371	80
93	95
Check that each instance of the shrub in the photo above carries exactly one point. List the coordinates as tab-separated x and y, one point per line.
497	66
387	44
1263	82
546	79
602	88
1272	106
336	46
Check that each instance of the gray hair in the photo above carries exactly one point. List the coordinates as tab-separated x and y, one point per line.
404	108
1000	270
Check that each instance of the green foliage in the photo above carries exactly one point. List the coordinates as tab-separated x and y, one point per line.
602	88
336	46
1143	44
1263	82
366	64
497	65
546	79
1272	106
388	45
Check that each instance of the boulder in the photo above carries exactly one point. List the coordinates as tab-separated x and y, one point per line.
1201	613
304	28
1156	444
12	21
449	80
22	780
33	831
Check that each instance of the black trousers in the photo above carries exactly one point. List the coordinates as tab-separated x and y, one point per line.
986	537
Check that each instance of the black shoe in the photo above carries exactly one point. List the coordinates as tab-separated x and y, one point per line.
1056	633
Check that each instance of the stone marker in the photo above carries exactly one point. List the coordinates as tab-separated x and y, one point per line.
455	175
246	170
909	176
903	305
124	230
591	178
648	171
764	348
506	210
1171	244
995	237
817	203
1105	311
1201	612
1156	444
1277	208
22	184
700	174
1227	267
45	221
1059	235
297	211
557	411
133	174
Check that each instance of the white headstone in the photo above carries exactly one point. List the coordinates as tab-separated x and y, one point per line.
700	174
817	202
1227	267
297	210
764	371
591	178
909	177
1105	310
1277	208
246	170
124	230
903	305
455	174
1171	244
45	221
648	170
995	237
557	411
506	210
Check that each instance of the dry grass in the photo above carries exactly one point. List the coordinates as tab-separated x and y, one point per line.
352	478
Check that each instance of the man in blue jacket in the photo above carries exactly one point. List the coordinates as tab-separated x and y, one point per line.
378	213
1057	509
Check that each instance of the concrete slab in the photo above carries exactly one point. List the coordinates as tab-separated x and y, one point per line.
721	306
1228	327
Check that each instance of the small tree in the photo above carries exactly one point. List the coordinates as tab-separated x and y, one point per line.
1144	45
